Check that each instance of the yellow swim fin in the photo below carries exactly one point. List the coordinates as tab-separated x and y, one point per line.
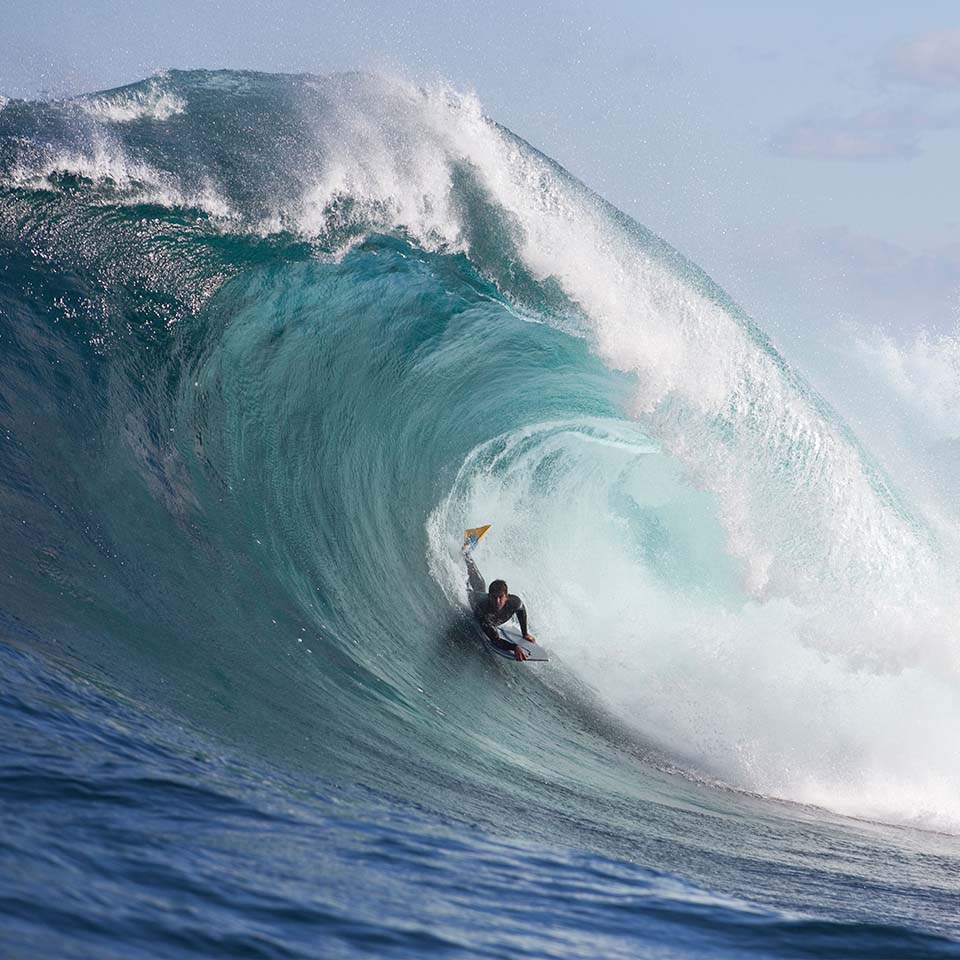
472	537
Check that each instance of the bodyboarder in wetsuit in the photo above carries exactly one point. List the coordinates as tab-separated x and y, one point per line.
495	606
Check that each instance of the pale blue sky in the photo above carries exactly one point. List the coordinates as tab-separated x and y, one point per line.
806	158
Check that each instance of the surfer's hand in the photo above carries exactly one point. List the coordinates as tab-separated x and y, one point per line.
519	652
530	638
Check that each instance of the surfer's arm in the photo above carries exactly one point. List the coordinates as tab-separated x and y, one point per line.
521	614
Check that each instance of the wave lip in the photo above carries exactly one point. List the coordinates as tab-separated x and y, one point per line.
142	101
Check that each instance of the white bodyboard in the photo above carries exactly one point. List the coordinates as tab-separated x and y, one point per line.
512	635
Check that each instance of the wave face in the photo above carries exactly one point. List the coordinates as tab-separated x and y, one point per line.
269	344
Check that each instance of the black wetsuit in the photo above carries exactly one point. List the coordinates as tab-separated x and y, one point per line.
484	611
490	618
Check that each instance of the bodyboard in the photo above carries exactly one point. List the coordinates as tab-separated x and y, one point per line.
512	635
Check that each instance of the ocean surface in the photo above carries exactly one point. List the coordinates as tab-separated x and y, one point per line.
268	344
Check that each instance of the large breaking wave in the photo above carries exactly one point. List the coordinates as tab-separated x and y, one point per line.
271	343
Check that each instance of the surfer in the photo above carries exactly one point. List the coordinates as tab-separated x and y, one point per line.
494	606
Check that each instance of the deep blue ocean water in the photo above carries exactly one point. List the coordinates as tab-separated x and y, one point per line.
268	344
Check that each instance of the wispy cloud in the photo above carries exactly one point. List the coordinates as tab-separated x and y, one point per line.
916	75
931	59
881	133
886	132
877	280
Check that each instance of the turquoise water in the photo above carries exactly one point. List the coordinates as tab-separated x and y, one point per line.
267	346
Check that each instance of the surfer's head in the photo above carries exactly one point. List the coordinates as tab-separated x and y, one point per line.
498	592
